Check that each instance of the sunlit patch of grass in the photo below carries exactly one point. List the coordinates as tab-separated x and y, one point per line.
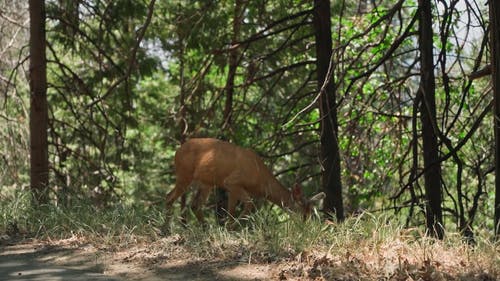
117	225
364	247
376	247
15	210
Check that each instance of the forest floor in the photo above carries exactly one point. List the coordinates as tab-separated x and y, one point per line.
168	259
71	259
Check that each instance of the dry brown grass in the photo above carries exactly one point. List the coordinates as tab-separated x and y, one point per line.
398	256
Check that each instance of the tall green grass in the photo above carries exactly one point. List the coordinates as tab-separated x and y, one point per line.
117	224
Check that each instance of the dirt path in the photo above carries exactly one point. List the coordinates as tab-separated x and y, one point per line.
63	260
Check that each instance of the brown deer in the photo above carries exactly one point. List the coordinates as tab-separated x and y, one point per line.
207	163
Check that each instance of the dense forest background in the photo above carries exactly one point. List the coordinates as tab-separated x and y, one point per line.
399	98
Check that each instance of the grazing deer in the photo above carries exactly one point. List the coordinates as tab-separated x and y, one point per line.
207	163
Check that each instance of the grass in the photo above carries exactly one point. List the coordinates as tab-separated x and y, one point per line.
365	247
113	226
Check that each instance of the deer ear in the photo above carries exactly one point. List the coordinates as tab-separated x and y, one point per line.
297	191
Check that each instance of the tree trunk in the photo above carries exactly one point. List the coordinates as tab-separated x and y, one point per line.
330	156
183	123
233	62
232	65
39	161
495	79
432	175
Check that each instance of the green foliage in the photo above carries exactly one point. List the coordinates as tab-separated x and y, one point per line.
115	103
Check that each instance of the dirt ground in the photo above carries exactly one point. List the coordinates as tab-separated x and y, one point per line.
168	259
71	260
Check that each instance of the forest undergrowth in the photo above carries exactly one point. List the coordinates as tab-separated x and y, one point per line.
364	247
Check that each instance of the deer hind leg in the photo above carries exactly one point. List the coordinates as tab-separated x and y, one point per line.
181	186
199	201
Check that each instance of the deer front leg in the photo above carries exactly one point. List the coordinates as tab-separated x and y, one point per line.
248	207
238	194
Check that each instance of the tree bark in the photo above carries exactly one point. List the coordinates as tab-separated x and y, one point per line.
495	79
432	176
39	161
227	117
233	65
330	156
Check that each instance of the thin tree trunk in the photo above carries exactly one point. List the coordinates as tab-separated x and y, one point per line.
229	89
221	196
330	156
183	123
495	78
429	126
232	65
39	161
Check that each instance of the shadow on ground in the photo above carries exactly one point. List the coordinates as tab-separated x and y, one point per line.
31	260
27	261
213	270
